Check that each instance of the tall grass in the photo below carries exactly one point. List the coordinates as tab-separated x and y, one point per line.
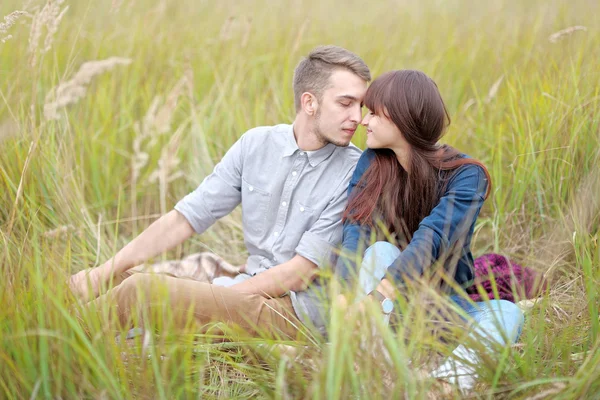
77	187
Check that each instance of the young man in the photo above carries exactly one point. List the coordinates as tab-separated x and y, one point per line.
291	181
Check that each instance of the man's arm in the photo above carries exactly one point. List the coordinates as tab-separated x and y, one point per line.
165	233
295	275
214	198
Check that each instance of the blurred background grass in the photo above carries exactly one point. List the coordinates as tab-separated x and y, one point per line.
202	73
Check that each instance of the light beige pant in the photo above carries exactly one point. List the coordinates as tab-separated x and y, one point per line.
156	294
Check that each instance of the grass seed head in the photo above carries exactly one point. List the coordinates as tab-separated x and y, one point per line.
9	21
556	36
73	90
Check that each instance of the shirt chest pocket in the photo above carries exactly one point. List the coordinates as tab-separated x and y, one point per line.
255	205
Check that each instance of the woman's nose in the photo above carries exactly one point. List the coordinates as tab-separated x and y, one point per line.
365	120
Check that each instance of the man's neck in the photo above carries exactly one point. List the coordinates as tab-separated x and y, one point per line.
305	137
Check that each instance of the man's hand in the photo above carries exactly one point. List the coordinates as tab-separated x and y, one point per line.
168	231
86	284
295	274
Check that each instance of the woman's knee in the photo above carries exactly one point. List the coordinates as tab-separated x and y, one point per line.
382	251
515	314
509	310
511	317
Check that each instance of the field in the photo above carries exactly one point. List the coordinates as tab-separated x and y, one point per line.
91	154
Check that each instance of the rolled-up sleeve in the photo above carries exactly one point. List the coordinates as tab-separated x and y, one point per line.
218	194
318	243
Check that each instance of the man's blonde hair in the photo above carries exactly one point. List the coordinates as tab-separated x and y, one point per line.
313	72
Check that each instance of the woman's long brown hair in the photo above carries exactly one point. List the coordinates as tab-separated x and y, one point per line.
388	193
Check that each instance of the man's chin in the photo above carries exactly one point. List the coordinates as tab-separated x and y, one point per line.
340	143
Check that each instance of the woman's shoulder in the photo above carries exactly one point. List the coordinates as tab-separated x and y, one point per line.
471	175
471	165
364	161
368	155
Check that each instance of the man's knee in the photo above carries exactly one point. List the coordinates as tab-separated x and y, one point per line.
135	285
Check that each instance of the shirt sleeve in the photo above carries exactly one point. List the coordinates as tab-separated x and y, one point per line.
218	194
318	243
355	235
445	230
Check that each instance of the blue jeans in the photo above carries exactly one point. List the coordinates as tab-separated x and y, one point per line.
498	321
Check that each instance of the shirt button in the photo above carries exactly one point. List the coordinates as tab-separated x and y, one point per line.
301	209
294	173
283	203
302	153
275	234
250	188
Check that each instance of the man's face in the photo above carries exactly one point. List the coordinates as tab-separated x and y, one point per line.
339	111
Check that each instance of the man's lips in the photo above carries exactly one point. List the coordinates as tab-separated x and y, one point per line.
350	131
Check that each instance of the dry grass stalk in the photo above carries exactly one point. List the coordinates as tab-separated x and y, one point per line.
549	393
116	6
494	90
60	231
468	104
580	218
235	25
156	122
8	128
9	21
139	158
164	116
556	36
13	213
247	30
49	17
226	28
300	36
168	162
71	91
27	4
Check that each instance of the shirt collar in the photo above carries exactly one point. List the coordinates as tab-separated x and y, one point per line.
314	157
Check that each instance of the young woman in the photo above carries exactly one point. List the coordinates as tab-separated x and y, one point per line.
427	197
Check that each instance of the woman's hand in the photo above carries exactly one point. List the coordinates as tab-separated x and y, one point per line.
386	288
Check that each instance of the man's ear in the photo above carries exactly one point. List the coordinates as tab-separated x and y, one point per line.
309	103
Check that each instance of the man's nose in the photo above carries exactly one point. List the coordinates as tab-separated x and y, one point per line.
356	115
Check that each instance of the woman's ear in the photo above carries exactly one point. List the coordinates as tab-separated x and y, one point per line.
309	103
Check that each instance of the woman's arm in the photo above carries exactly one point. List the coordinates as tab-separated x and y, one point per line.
444	231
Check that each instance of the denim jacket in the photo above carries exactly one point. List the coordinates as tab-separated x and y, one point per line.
444	235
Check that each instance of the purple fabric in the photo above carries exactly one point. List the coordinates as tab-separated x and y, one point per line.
513	281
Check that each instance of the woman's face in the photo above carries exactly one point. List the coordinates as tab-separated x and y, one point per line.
382	133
